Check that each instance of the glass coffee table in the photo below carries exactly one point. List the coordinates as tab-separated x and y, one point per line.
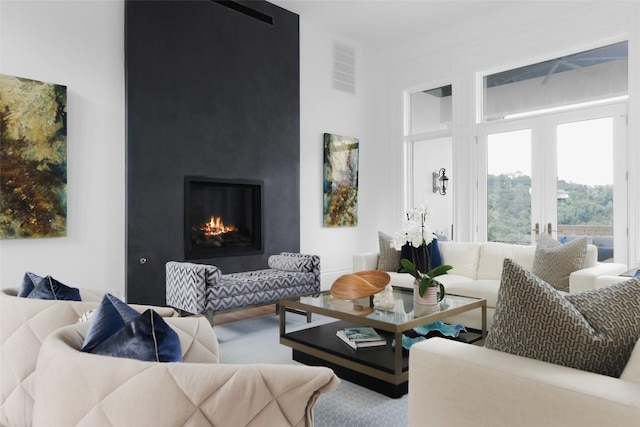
384	369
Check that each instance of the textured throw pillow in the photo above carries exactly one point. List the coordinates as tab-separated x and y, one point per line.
389	257
50	288
109	317
148	338
428	259
593	330
289	263
28	283
553	262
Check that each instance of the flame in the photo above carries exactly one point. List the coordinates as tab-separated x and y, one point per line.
215	226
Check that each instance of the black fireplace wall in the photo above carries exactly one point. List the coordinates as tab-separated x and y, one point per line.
212	90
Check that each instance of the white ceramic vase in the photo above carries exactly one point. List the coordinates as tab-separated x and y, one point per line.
430	297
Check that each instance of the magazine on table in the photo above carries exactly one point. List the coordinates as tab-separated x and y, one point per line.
361	337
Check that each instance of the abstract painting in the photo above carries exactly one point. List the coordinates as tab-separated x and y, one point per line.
33	158
340	181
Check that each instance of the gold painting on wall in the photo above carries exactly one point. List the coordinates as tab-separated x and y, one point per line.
340	181
33	158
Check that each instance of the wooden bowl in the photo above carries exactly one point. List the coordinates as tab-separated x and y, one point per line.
360	284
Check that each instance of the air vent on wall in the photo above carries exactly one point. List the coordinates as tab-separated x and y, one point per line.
344	67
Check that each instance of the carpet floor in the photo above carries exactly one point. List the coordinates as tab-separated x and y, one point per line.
257	341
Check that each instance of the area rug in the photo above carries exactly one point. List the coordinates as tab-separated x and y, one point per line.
257	341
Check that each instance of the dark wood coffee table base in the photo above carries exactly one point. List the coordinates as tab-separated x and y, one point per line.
392	390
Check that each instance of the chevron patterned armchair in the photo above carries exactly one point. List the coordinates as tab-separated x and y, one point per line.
203	289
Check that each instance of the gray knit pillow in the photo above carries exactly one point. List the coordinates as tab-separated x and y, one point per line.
553	262
290	263
389	258
593	330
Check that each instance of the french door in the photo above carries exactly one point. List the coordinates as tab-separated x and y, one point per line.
562	174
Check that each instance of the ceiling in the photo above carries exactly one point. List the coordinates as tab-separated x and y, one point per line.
382	23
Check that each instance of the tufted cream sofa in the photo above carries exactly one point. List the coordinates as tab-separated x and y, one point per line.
24	324
80	389
477	269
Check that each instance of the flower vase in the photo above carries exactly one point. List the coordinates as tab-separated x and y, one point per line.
430	297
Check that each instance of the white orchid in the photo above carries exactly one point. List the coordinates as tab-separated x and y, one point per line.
416	230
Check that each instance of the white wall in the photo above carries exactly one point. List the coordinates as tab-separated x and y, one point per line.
80	45
325	110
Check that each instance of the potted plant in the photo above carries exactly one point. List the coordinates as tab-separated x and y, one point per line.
426	280
417	234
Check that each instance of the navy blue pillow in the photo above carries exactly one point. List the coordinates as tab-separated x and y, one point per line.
110	316
432	255
28	283
50	288
146	338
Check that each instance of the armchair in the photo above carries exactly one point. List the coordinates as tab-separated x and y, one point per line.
24	324
83	389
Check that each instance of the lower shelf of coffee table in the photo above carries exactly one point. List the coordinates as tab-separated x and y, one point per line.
368	367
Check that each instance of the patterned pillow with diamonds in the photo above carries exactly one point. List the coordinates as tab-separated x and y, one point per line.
593	331
553	262
290	263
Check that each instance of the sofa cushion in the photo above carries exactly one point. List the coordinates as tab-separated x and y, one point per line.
593	330
110	316
463	256
49	288
554	262
631	370
492	255
28	283
389	257
147	338
487	289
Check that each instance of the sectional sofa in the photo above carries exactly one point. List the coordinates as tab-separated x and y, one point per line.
477	268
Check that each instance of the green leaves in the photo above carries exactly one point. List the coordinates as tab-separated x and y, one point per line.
427	279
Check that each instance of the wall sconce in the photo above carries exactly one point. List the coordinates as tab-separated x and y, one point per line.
440	178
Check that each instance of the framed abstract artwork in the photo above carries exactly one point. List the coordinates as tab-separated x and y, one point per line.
33	158
340	184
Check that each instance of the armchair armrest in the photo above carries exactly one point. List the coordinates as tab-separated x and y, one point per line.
187	283
365	261
501	389
585	278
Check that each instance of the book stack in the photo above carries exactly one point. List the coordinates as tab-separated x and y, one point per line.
361	337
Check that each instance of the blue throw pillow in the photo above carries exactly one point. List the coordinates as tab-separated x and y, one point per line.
50	288
147	338
28	283
637	274
110	316
430	258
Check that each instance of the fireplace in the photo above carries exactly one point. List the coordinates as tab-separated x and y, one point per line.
222	217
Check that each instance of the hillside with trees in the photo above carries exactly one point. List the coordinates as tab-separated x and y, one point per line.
509	206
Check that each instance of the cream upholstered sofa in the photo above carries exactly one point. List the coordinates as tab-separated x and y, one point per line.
24	324
456	384
74	388
477	269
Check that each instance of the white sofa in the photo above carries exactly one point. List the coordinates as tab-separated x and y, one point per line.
477	269
455	384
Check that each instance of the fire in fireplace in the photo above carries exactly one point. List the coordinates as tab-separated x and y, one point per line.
222	217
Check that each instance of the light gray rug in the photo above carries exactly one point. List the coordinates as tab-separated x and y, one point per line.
257	341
